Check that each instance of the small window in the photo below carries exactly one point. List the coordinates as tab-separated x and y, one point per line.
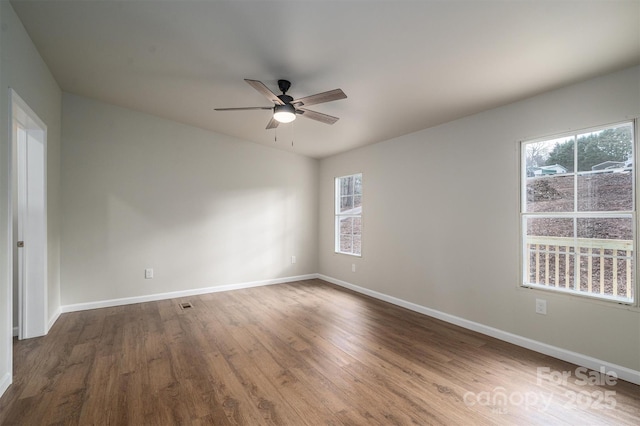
349	214
578	213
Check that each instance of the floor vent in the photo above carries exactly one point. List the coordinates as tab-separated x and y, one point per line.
185	305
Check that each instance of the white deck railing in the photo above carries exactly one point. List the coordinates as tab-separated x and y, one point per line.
605	266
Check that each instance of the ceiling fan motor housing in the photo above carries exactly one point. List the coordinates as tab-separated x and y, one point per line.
285	98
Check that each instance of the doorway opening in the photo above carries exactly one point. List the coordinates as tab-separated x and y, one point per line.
29	201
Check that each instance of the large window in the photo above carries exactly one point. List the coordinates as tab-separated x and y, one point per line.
348	238
578	213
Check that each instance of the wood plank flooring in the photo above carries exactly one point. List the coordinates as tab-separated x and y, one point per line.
304	353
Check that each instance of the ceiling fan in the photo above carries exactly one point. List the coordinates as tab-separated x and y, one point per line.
285	107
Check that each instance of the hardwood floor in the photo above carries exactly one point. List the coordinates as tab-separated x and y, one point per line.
305	353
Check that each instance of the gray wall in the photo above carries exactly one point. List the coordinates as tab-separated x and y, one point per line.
441	220
200	208
23	70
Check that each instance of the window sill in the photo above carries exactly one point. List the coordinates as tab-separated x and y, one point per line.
348	254
611	302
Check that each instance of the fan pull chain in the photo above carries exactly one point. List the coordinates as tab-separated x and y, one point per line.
293	133
275	135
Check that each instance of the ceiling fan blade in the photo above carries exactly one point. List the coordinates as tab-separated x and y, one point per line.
260	87
241	109
331	95
272	124
318	116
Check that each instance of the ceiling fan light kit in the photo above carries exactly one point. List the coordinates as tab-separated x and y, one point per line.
284	113
285	107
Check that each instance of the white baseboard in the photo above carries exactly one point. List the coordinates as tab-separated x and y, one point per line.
5	381
53	319
175	294
623	373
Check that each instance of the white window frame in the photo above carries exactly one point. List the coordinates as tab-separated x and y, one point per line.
339	216
630	214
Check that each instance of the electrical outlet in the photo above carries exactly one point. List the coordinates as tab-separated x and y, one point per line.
353	267
293	259
541	306
148	273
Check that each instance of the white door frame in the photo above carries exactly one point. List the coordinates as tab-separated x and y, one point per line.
29	140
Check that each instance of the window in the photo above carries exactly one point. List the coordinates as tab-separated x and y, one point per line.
349	214
578	213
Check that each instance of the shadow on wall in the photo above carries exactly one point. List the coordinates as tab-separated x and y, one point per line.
200	208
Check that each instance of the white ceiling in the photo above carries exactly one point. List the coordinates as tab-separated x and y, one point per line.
404	65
